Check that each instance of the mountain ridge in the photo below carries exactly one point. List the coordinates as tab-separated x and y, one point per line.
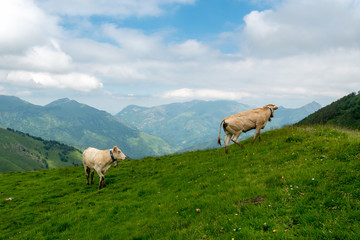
139	131
78	125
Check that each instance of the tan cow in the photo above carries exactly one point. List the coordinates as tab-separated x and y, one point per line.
100	161
235	124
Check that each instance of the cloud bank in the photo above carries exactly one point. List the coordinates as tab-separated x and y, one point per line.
292	53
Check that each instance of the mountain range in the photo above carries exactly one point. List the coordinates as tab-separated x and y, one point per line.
78	125
138	131
195	125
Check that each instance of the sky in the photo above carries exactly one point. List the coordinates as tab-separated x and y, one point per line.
111	54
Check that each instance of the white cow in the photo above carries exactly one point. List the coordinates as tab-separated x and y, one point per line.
100	161
235	124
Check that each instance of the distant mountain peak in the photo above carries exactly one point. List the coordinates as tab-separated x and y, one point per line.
59	102
62	101
313	103
312	107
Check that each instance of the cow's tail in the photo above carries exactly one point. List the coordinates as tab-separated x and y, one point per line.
220	131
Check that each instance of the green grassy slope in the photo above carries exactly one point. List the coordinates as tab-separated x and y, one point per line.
299	182
344	112
19	151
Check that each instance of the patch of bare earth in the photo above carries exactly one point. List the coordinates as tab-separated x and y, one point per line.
257	200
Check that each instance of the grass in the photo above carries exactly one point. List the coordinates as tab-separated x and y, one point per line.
299	182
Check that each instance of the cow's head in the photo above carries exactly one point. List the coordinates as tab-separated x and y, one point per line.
118	155
272	108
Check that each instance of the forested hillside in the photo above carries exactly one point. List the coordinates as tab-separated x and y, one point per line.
344	112
20	151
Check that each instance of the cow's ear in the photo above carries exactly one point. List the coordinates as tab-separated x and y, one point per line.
115	148
275	107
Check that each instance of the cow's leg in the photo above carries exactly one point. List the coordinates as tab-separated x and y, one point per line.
227	141
100	181
101	177
235	139
87	172
257	134
104	185
92	176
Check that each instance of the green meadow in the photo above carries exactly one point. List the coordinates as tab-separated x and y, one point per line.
298	183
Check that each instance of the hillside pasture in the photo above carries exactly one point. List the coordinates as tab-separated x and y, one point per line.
299	182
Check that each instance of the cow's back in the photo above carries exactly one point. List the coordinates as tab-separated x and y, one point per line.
241	124
247	120
245	113
92	156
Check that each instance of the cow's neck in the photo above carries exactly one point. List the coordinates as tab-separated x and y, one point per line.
113	159
271	114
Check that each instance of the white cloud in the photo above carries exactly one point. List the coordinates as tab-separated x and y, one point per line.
284	81
73	81
192	50
199	71
207	94
39	58
303	26
92	52
141	57
134	41
23	24
50	58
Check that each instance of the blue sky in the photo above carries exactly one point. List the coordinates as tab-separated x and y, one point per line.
201	20
110	54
